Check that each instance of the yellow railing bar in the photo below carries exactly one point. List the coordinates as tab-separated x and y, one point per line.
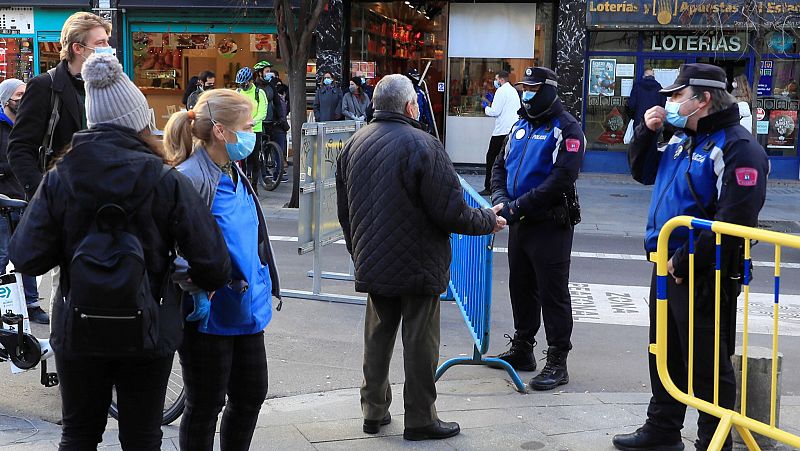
717	290
728	418
774	391
745	336
690	381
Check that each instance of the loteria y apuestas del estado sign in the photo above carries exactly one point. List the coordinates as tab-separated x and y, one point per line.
645	14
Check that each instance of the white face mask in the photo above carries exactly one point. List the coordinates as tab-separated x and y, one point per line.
735	85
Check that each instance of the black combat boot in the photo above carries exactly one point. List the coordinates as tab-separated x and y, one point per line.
644	439
554	372
520	355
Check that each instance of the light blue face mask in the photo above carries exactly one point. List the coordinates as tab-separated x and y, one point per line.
243	147
268	76
527	96
497	84
104	50
327	81
673	115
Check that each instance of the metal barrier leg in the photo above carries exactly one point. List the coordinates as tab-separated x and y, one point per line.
477	359
722	432
748	438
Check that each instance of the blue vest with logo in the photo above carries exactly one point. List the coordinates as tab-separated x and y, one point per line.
672	195
530	155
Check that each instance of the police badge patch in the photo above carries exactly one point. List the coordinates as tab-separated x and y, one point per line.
519	134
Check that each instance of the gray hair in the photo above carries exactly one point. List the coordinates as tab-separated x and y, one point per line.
720	98
393	93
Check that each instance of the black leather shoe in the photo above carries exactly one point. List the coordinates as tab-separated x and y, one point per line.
374	426
38	316
554	372
486	192
519	355
436	431
646	440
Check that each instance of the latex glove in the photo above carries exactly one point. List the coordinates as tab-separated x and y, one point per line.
511	212
202	310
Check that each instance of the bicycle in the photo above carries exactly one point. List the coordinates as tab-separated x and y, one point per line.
17	344
271	162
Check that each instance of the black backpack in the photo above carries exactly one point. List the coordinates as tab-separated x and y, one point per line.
111	311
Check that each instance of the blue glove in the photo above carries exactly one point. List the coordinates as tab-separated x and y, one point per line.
484	104
202	310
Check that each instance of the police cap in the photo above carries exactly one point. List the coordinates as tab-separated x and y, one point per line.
697	74
537	75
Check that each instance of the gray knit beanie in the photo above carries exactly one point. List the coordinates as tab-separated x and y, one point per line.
7	88
111	97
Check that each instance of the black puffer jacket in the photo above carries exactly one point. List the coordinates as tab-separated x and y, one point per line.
8	183
399	199
110	164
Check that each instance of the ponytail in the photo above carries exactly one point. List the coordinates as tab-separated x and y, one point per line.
178	141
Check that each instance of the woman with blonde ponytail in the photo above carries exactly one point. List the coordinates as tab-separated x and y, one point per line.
223	353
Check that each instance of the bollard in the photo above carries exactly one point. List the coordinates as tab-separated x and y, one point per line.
759	382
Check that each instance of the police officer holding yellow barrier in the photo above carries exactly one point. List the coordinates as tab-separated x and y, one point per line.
712	168
534	178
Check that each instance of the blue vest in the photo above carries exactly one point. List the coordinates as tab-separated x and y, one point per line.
530	155
671	193
234	312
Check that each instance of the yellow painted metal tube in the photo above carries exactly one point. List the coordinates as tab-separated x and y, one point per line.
745	331
717	301
690	380
774	389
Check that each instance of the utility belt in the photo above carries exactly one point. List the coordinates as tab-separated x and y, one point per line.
565	214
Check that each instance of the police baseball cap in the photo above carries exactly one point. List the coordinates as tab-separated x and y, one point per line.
537	75
697	74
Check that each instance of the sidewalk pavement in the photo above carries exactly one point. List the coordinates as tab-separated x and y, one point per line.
491	414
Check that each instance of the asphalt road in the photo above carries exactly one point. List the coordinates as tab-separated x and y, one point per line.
317	346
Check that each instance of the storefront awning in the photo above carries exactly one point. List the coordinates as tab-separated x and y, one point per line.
227	4
79	4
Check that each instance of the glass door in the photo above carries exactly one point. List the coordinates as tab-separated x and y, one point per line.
732	66
665	69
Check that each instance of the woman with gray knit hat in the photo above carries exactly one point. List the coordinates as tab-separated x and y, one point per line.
98	343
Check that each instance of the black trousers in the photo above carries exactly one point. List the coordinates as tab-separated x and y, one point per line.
665	415
538	261
495	146
85	386
420	316
216	366
252	168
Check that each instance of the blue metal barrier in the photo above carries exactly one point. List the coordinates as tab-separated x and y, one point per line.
471	288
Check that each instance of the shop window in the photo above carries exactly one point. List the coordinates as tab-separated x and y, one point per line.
781	42
163	63
778	104
610	81
16	58
49	55
621	41
471	81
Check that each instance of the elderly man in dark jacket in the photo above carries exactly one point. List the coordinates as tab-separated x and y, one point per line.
399	199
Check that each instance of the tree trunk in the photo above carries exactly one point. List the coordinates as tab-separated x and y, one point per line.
297	92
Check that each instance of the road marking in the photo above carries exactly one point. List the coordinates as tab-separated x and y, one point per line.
628	306
576	254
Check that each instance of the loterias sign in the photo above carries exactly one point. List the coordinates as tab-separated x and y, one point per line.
689	43
691	14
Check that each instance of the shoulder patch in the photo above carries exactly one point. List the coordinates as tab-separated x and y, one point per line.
519	134
746	176
573	145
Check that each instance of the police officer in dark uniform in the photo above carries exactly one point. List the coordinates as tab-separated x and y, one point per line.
711	168
534	177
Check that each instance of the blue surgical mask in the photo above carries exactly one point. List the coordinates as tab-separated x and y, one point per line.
243	147
104	50
673	116
268	76
527	96
327	81
363	81
497	84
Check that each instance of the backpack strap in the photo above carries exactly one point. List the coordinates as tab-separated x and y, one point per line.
47	140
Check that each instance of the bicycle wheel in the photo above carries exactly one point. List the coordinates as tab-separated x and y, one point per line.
173	401
271	165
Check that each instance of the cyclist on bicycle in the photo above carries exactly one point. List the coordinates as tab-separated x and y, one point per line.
11	91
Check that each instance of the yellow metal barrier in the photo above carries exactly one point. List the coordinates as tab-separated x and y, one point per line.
728	418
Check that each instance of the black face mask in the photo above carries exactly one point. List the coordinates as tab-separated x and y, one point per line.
539	106
13	105
208	87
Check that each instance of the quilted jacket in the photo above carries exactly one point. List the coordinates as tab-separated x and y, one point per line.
398	200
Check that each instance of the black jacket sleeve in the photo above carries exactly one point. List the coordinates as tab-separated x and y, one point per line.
29	130
563	175
643	155
442	196
36	244
499	177
342	205
198	236
743	192
316	104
